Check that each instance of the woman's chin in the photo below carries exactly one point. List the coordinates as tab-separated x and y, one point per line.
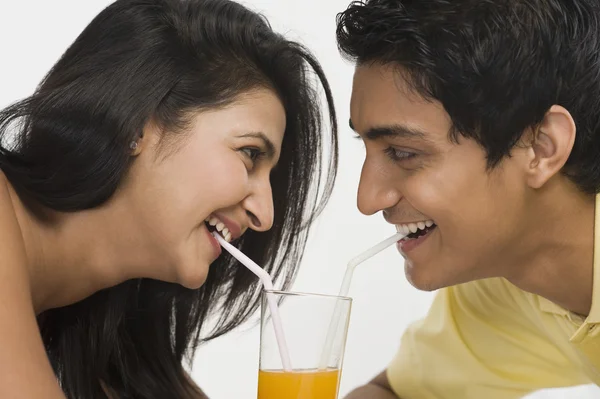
193	276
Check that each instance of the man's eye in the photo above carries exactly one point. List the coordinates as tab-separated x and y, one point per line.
397	155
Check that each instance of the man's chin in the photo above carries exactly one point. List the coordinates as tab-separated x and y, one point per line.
422	278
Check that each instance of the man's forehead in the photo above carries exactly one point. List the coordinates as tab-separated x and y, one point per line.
381	98
372	78
374	95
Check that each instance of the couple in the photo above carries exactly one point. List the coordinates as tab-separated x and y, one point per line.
167	119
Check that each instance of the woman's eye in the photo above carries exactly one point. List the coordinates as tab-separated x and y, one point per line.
252	153
397	155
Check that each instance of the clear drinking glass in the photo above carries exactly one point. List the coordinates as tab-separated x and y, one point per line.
315	328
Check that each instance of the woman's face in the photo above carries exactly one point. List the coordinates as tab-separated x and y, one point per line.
215	173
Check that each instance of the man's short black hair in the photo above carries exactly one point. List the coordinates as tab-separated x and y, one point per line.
497	66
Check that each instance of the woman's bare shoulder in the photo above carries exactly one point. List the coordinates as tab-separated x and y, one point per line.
12	248
23	358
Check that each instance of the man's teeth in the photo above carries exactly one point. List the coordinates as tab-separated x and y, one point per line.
413	227
220	226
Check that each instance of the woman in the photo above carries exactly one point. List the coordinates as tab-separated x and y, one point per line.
164	120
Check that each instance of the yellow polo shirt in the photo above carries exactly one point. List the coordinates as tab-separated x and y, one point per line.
490	340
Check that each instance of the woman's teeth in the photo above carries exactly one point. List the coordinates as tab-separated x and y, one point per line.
220	227
409	228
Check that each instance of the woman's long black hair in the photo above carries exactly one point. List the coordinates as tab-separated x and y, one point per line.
161	59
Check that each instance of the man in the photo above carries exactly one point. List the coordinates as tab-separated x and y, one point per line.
481	121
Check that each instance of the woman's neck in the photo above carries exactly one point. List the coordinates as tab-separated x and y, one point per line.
72	255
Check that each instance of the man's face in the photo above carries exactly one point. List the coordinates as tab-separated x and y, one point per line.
467	218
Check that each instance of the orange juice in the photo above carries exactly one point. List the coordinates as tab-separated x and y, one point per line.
299	384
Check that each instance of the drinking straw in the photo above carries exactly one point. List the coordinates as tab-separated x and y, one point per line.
268	286
326	354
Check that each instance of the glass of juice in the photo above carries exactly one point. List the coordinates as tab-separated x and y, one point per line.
315	328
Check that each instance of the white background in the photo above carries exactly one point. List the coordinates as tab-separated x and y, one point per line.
34	33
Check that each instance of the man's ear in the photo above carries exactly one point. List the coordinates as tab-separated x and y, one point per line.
550	146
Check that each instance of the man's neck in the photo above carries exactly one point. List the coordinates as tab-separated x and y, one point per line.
557	251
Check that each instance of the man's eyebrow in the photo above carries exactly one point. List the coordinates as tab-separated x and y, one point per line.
270	147
393	131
